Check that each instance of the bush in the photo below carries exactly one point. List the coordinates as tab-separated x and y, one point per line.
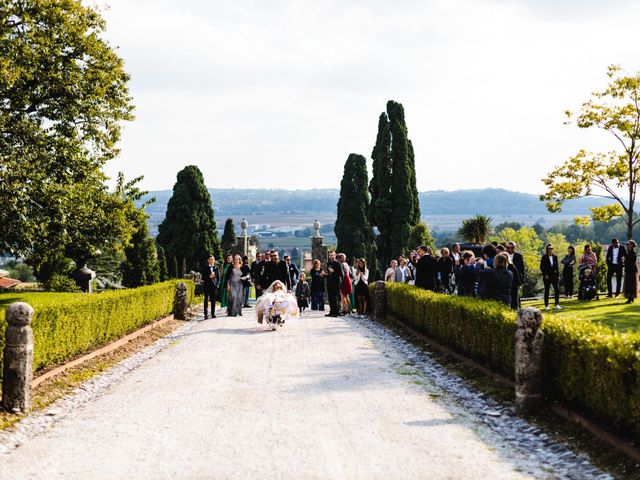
65	330
484	331
61	283
588	366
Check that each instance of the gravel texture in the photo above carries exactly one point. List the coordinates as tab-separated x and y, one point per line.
321	398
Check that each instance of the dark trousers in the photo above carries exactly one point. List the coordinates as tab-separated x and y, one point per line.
317	300
567	280
548	282
611	271
209	297
247	291
334	298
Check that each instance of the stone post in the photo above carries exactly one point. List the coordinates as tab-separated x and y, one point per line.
380	300
529	340
18	359
83	277
318	251
180	302
244	237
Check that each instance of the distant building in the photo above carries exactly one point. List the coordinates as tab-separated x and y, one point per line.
5	281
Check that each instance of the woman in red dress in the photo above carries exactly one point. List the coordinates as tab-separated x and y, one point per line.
347	286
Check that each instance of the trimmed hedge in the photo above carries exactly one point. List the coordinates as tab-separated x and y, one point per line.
65	330
591	367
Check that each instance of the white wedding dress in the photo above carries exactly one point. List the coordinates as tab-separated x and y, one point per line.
278	302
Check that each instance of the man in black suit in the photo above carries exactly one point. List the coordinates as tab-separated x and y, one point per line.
256	273
615	261
550	276
426	269
333	275
294	272
516	259
210	284
276	269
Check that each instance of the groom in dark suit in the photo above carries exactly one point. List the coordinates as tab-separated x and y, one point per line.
550	276
615	261
276	269
210	284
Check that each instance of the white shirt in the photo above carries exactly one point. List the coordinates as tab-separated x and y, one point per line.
550	260
615	255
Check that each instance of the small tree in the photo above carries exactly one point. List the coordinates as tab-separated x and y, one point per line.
141	264
163	273
476	229
229	239
173	268
613	175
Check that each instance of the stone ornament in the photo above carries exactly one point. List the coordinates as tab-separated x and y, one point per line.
17	372
529	343
180	302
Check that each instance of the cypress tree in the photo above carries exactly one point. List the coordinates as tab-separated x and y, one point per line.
405	206
380	189
188	231
353	230
395	207
141	264
229	239
163	274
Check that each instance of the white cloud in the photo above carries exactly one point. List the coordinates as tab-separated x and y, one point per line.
277	94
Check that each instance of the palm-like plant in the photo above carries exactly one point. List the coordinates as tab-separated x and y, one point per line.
476	229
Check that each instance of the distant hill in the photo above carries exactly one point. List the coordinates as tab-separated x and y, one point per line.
322	203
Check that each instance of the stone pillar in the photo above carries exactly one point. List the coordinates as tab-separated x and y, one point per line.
529	340
180	302
380	300
83	277
17	371
244	238
318	251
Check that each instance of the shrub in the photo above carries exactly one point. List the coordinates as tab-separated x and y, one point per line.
484	331
61	283
62	331
591	367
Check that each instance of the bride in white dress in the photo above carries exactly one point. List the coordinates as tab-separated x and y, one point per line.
276	301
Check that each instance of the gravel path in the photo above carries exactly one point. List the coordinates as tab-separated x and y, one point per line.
320	399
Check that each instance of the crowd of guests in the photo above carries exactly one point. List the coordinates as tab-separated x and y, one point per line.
336	280
499	272
496	274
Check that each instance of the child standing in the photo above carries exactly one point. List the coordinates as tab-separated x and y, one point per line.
303	293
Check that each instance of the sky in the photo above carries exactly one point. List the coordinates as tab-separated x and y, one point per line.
277	94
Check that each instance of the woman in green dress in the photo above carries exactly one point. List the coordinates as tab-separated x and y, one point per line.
228	263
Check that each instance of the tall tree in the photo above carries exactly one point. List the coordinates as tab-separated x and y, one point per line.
229	239
394	208
380	208
188	231
353	230
64	95
613	175
404	198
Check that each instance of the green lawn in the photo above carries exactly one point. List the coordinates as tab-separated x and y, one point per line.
611	312
35	299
